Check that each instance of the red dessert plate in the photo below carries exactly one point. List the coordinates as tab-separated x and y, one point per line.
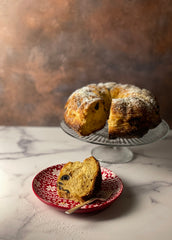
44	187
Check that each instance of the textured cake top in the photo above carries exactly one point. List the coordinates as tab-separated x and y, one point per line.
128	105
84	95
123	95
127	94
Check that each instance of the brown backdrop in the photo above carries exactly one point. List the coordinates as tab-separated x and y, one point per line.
50	48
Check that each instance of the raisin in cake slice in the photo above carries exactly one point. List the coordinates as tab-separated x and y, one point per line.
79	181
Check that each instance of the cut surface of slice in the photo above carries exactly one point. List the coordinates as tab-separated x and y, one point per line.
79	181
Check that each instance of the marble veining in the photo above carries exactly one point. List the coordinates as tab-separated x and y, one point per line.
143	211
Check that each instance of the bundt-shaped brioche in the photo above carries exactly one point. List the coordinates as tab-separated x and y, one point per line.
79	181
130	111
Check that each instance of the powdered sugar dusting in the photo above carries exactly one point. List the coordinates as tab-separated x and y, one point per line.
108	85
85	96
134	95
130	101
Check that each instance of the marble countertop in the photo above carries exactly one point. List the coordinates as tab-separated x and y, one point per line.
143	211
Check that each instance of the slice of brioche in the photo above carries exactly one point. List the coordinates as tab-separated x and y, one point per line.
79	181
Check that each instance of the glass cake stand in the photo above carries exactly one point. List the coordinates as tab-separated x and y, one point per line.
116	150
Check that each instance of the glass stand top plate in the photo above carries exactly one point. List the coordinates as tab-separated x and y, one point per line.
101	137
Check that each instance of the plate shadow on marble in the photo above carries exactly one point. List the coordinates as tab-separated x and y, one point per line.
121	207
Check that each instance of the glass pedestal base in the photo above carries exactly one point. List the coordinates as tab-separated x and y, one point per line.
112	154
115	150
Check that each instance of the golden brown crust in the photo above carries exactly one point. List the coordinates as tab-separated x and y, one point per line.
133	112
130	111
86	109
